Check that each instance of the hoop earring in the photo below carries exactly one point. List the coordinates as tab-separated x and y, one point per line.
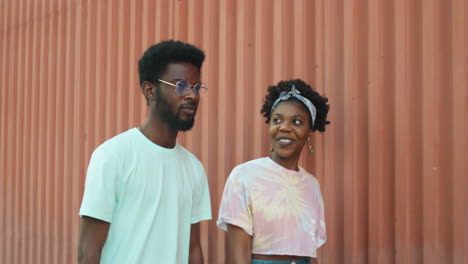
310	145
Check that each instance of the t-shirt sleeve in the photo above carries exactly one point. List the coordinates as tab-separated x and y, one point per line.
321	235
201	207
235	208
100	194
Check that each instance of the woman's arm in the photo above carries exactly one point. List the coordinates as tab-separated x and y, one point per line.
239	246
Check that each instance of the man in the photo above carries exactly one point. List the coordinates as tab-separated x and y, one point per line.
145	194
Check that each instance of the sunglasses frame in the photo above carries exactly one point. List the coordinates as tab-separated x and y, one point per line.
186	86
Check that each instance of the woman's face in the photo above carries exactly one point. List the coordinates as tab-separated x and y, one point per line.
289	130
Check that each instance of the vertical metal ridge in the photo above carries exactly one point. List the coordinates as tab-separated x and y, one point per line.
356	123
49	125
381	123
59	130
459	55
70	80
33	93
445	203
117	99
434	161
8	136
19	146
407	126
41	135
26	136
15	242
331	49
11	156
5	25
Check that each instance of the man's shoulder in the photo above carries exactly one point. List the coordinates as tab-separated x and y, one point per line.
187	154
116	143
190	159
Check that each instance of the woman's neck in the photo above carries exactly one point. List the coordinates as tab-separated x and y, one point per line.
288	163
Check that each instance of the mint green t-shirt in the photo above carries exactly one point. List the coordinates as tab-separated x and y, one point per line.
150	195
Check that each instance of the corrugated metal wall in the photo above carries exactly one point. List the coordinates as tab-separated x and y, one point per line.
392	165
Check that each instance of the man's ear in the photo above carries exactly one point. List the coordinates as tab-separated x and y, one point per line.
148	90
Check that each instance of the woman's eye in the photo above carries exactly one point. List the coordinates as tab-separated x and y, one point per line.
297	122
276	120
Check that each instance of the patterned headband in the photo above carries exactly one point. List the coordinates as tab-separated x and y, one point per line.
284	95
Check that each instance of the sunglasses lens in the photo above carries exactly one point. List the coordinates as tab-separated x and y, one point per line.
182	88
196	88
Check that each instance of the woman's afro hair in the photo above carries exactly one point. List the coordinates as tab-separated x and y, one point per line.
306	90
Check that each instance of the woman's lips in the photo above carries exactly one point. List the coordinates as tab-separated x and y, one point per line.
284	141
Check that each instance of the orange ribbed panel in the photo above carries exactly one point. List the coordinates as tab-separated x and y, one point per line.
392	165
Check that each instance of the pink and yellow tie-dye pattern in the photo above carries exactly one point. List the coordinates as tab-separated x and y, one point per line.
281	209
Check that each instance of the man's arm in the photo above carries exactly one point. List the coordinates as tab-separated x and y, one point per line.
195	251
239	245
93	235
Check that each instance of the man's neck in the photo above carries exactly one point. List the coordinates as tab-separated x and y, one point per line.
159	132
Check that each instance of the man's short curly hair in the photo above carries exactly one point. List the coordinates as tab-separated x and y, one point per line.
306	90
154	61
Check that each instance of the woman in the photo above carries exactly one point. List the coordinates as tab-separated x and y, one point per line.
271	208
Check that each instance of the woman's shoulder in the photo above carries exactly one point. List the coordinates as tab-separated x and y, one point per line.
248	169
313	181
251	165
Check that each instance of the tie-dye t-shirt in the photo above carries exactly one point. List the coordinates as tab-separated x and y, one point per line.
281	209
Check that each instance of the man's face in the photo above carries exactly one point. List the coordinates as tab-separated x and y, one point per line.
178	111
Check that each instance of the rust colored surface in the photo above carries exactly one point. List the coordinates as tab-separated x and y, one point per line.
392	165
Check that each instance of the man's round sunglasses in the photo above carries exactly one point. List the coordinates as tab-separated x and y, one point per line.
182	87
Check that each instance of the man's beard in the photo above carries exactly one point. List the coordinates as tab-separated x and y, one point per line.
174	121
